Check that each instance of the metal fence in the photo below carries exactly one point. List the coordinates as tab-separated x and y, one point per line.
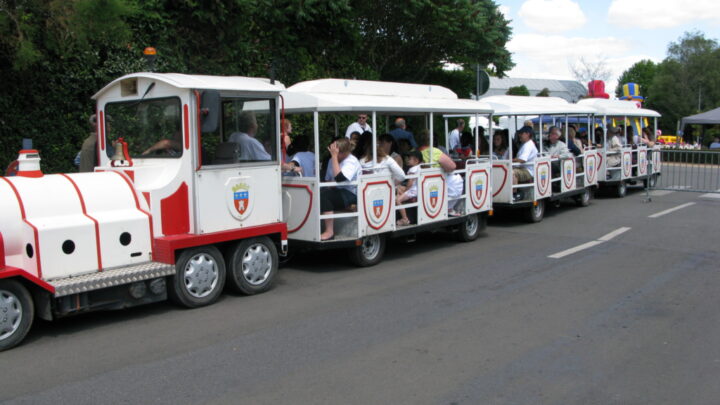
689	170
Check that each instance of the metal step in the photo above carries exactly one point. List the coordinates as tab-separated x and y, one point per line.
111	278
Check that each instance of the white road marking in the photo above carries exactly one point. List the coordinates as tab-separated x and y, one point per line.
590	244
660	193
716	194
614	234
575	249
679	207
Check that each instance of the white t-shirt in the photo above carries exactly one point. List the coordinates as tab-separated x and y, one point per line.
528	152
558	149
250	148
306	160
355	127
412	191
387	164
350	168
454	139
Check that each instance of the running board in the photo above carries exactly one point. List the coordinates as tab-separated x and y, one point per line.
111	278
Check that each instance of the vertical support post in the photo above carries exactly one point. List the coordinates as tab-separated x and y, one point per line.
316	136
432	136
374	139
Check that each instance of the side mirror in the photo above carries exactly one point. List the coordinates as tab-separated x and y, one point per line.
210	110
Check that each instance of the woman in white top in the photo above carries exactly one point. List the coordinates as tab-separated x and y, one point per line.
386	163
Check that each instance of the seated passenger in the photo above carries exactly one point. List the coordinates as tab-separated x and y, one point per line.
384	163
390	147
526	155
465	149
500	146
454	181
250	148
614	146
166	147
647	138
555	146
409	192
343	167
302	158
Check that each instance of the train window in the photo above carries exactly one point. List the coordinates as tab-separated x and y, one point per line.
152	128
247	133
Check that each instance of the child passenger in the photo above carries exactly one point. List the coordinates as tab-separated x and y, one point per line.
413	160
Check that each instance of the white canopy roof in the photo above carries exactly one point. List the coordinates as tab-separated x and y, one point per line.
522	105
339	95
183	81
618	108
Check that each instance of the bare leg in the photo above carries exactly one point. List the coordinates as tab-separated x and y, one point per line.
329	223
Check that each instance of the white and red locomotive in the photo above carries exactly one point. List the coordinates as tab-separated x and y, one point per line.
172	209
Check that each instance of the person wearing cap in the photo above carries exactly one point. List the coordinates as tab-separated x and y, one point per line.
526	155
401	132
358	126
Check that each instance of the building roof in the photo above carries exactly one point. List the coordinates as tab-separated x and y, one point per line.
570	90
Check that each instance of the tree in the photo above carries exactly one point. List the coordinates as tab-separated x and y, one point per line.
585	70
518	91
641	73
687	81
543	93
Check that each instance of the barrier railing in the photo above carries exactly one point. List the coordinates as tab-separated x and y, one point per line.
689	170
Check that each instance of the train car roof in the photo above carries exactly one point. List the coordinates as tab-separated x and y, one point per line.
340	95
617	108
522	105
202	82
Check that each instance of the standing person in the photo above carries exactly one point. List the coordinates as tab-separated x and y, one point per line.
454	136
359	126
343	167
401	132
88	150
526	155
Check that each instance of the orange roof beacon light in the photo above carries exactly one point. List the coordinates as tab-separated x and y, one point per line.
150	54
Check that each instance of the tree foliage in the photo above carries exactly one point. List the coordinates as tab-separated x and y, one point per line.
586	70
641	73
545	92
518	91
55	54
687	81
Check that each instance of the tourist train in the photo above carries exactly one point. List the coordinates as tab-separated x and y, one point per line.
194	189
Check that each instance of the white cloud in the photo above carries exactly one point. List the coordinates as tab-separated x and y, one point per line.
550	56
505	10
552	16
650	14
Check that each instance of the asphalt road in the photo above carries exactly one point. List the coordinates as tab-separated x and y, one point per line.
632	320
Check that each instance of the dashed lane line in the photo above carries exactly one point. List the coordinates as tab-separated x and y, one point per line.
679	207
590	244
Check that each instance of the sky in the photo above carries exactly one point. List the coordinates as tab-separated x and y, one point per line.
551	35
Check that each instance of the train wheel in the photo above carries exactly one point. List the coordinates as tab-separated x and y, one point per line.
252	264
536	212
370	252
583	200
469	230
199	277
16	313
621	190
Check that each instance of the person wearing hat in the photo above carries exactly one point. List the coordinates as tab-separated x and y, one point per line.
526	155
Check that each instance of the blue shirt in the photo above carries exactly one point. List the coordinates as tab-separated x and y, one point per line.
399	133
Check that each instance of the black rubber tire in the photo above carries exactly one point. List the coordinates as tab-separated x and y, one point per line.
178	290
621	190
263	252
583	200
469	230
536	212
361	255
24	305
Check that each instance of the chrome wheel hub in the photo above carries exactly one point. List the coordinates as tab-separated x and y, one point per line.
471	225
371	247
201	275
257	264
10	314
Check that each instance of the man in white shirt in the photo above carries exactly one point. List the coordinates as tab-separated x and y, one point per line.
527	154
250	148
556	147
454	136
359	126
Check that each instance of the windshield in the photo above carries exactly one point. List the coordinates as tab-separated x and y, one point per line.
152	128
